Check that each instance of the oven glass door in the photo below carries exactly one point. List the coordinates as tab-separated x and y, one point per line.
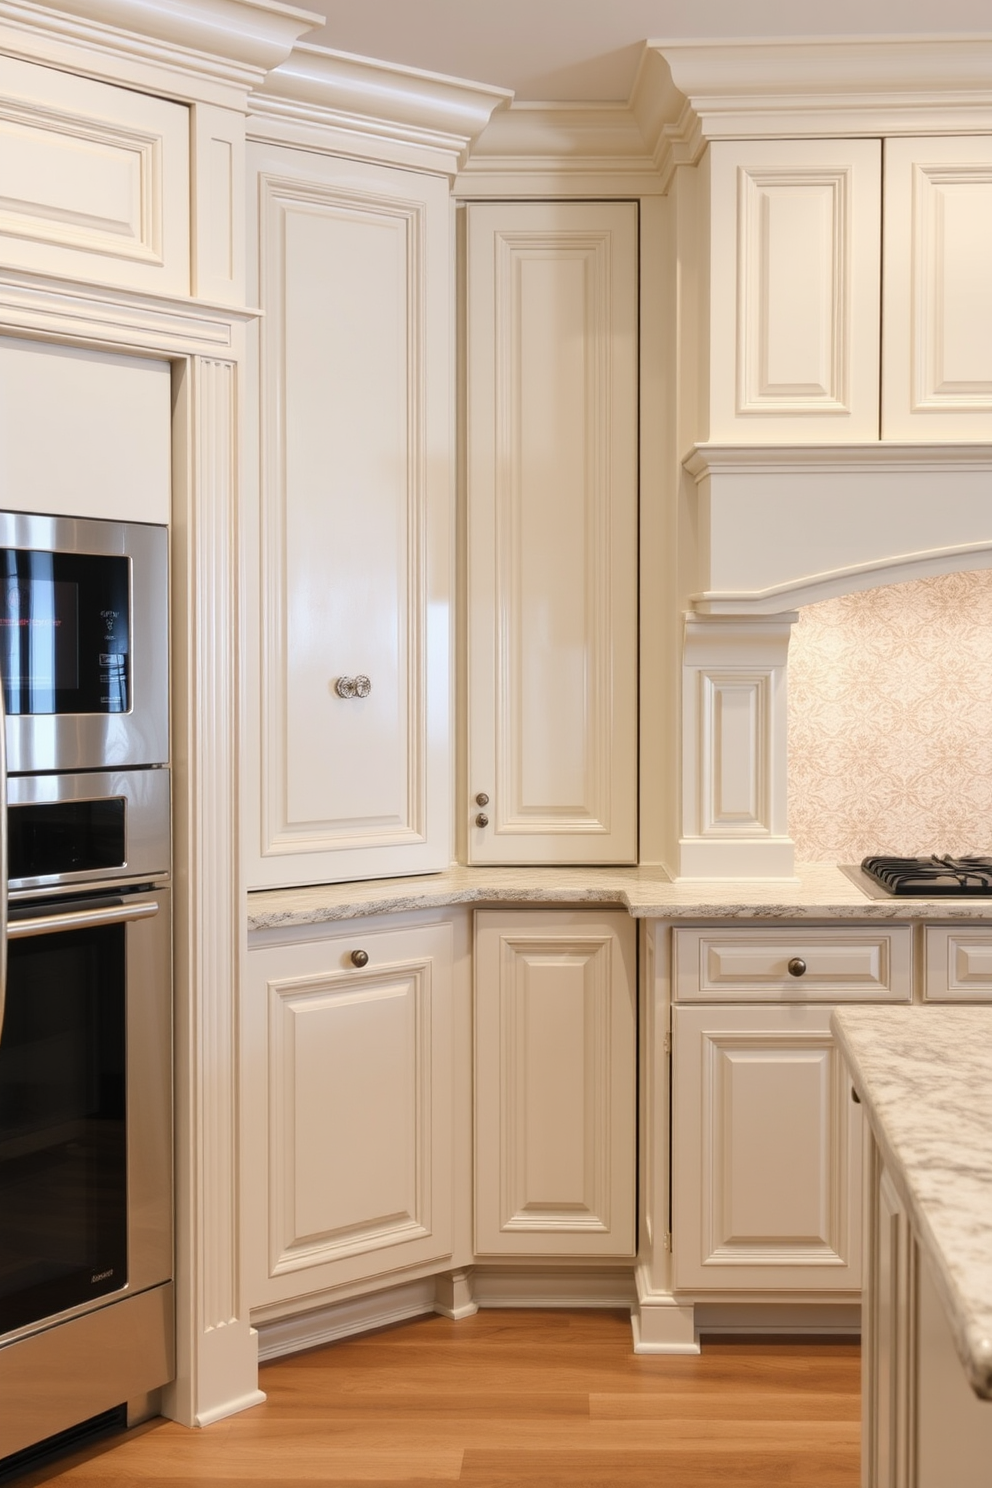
63	1128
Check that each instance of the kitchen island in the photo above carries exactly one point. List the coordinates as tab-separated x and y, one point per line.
924	1077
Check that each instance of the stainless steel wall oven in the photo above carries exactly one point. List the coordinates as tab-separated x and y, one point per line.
86	1304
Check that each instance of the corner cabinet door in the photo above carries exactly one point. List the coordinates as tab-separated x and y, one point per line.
937	290
347	1109
348	626
555	1083
766	1153
552	532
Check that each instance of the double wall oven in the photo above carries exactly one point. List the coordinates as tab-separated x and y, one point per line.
86	1303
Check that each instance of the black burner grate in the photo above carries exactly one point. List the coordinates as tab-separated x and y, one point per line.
935	876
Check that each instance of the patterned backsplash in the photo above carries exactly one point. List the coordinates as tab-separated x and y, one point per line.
890	721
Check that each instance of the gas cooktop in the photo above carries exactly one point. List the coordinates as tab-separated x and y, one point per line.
933	877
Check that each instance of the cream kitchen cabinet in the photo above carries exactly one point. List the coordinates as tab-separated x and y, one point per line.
552	408
94	181
766	1142
348	1107
348	541
766	1153
937	289
957	963
555	1083
806	245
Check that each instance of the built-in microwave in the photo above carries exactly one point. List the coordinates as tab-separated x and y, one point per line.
83	643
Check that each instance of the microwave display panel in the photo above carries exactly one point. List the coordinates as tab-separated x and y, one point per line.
64	632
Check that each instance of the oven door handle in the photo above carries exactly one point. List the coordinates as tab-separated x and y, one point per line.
81	919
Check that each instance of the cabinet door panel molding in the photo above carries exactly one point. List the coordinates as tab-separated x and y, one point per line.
555	1135
552	476
766	1153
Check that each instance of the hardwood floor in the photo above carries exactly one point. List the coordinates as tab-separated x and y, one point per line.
514	1400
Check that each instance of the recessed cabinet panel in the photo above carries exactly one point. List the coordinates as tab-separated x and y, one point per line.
937	323
552	470
352	700
348	1123
794	290
94	180
958	964
555	1137
766	1152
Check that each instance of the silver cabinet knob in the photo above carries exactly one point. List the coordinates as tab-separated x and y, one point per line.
360	958
482	799
796	967
482	820
350	687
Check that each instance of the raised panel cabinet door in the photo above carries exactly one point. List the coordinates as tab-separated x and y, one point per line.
350	626
794	291
552	349
937	289
348	1145
766	1152
94	180
555	1083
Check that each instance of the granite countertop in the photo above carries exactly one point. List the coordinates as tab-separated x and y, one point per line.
818	892
924	1075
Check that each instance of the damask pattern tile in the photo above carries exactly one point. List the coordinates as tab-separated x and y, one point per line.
890	721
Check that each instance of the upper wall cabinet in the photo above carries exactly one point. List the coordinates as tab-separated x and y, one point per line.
937	289
793	304
348	646
552	532
94	181
802	270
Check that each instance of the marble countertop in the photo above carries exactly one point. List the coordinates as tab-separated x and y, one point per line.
924	1075
818	892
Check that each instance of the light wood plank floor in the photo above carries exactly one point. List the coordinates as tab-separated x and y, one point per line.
514	1400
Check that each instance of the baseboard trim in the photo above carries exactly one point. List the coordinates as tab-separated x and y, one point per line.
306	1330
841	1319
553	1286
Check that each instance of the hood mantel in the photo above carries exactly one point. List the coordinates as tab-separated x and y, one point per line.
845	517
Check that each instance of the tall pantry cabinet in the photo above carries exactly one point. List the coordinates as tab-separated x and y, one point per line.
551	456
348	667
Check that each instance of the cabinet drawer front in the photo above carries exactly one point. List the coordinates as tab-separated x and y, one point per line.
858	964
958	964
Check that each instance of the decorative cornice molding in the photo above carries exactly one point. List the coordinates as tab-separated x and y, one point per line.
834	459
231	41
52	309
370	103
569	149
811	86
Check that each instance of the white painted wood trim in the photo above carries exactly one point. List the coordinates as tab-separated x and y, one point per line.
839	87
734	741
216	1347
322	1325
375	110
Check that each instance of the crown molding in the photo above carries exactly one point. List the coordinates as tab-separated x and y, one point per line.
562	148
186	48
373	109
810	86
